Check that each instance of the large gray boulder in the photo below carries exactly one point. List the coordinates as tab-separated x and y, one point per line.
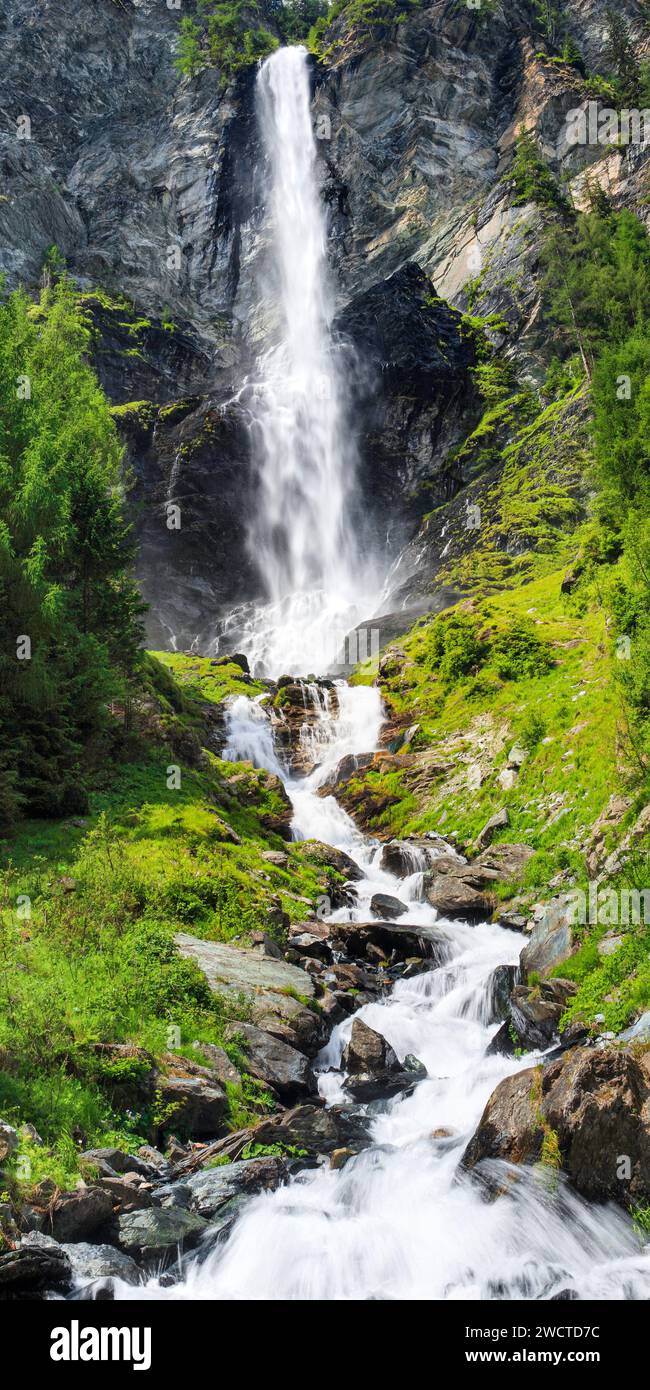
230	968
93	1262
157	1235
274	1062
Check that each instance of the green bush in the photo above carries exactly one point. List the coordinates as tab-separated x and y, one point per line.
517	652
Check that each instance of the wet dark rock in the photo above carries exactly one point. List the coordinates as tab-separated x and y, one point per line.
315	1129
270	1060
383	905
367	1051
500	986
503	1044
39	1263
394	938
382	1085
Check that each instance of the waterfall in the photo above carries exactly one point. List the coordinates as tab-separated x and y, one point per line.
303	534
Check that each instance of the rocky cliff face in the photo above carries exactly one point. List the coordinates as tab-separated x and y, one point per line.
149	183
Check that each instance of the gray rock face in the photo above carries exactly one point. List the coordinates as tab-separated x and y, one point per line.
210	1190
274	1062
129	162
392	938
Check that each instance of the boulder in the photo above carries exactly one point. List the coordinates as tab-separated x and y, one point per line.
383	905
499	821
211	1189
505	861
368	1052
37	1264
398	939
77	1215
552	939
93	1262
597	1103
274	1062
451	897
231	969
639	1031
127	1195
110	1161
382	1085
289	1020
155	1236
197	1104
329	858
218	1062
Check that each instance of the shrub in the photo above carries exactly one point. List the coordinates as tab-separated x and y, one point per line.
517	652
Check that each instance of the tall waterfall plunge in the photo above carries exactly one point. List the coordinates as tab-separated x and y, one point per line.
304	533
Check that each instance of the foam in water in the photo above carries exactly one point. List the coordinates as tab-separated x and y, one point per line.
304	532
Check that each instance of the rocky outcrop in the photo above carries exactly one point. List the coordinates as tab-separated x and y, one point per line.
596	1101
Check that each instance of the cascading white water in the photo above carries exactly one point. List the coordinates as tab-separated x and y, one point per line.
401	1220
302	533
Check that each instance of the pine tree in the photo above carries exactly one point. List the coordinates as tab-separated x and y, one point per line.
621	57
